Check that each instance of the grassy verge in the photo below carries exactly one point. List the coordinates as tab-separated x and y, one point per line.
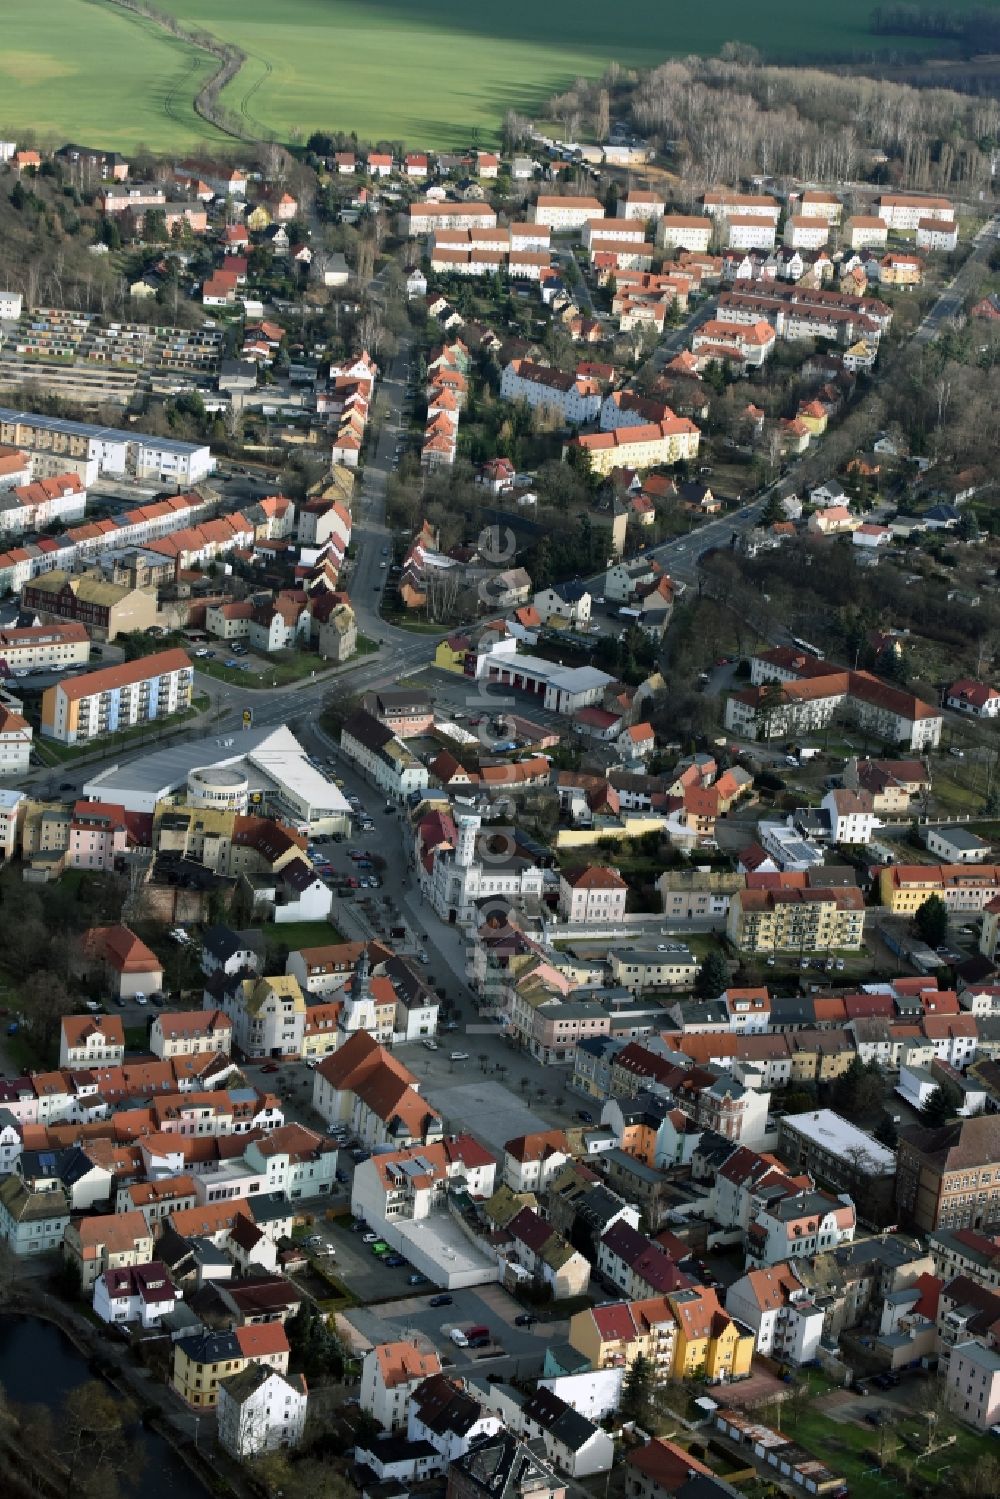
52	753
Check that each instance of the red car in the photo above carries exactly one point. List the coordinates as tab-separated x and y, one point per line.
270	1067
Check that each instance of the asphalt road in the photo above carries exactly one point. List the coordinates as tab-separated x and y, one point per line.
949	303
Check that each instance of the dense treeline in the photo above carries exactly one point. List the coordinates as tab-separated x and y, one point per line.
729	118
978	30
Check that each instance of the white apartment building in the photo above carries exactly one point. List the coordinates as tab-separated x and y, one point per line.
776	1306
750	232
727	205
383	758
390	1372
937	234
576	398
640	205
851	815
621	231
424	218
42	646
120	454
803	232
683	231
10	805
798	1226
815	204
261	1410
866	231
566	213
268	1016
16	735
189	1033
901	211
592	895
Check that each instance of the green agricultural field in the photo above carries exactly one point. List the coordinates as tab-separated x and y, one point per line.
80	70
430	73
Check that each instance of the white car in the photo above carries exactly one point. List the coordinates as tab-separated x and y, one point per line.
369	1238
459	1056
140	998
430	1045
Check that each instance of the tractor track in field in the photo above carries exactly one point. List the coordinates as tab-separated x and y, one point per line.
245	111
206	101
174	92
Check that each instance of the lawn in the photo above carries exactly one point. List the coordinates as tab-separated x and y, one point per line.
75	70
843	1446
431	75
52	752
298	934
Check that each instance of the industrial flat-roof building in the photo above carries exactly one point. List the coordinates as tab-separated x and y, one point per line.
279	778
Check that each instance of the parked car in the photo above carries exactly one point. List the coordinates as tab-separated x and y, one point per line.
369	1238
459	1056
430	1044
416	1280
523	1319
440	1301
395	1260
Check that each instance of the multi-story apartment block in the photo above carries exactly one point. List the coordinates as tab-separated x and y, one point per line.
949	1177
816	204
899	211
100	703
903	888
187	1033
561	213
390	1373
268	1016
809	918
424	218
382	756
668	441
800	1225
119	454
91	1041
681	231
576	399
104	609
780	1311
43	647
779	708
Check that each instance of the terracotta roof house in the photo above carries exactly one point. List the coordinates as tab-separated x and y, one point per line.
132	967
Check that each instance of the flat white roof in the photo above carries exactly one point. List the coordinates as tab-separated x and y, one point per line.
837	1135
565	678
274	753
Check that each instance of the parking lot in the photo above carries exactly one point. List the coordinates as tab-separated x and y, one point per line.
512	1349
